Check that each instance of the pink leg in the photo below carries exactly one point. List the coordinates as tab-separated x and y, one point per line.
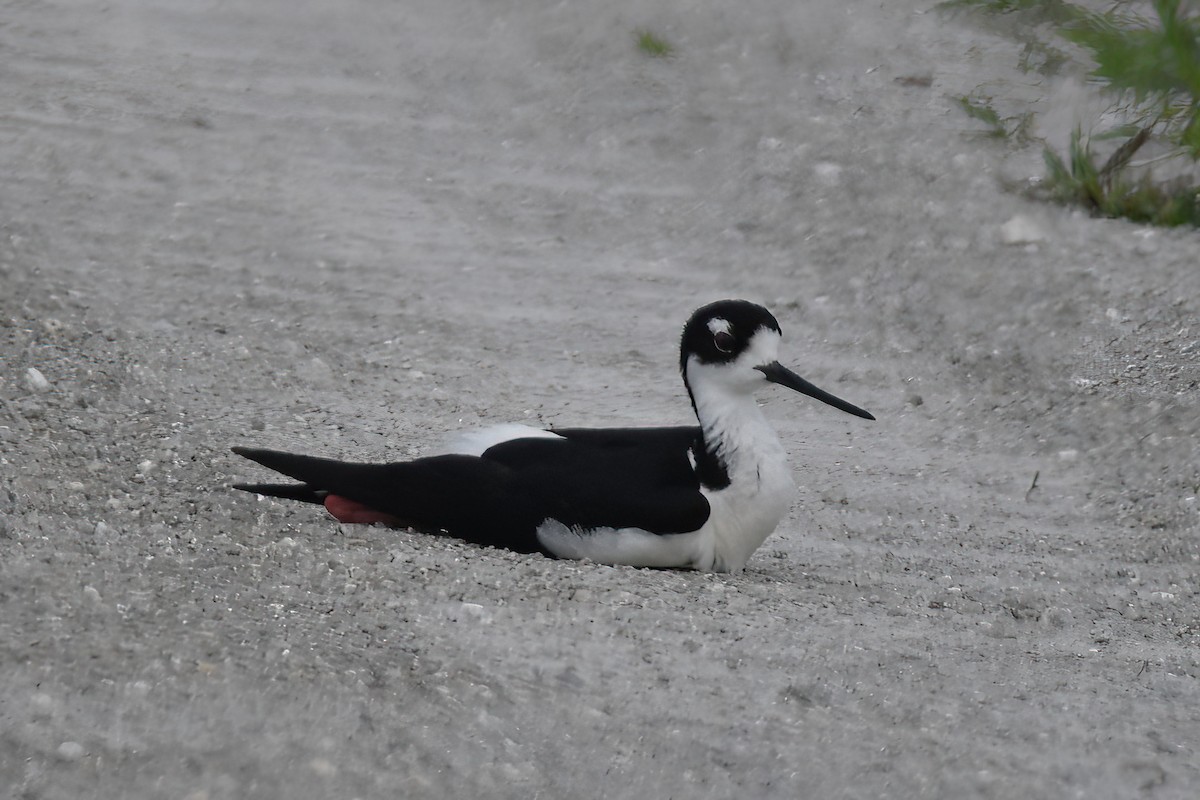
351	512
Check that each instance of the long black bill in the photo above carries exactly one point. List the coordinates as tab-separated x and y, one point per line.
777	373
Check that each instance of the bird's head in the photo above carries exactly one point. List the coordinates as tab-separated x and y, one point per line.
732	347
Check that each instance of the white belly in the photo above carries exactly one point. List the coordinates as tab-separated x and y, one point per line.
631	547
741	522
741	518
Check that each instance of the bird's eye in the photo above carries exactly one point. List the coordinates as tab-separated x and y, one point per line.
724	341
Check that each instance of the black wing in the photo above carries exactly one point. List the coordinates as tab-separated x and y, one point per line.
611	477
671	441
590	478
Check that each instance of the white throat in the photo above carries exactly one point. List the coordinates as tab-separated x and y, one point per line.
760	489
736	430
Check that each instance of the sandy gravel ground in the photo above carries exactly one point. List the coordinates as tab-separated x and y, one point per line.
347	227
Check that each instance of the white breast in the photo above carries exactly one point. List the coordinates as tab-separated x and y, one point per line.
744	515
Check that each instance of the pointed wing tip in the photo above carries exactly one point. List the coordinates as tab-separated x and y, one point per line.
257	454
284	491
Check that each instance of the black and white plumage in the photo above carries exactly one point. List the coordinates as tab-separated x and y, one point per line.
703	497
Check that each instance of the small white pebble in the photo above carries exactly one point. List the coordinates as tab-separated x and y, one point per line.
323	767
828	173
102	529
41	702
1021	230
36	380
92	595
70	751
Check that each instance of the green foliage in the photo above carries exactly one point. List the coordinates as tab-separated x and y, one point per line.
1157	61
1133	53
1031	12
978	106
1110	191
654	46
1024	17
1042	58
1151	64
981	109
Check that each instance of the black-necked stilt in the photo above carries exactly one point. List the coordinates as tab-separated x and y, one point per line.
702	497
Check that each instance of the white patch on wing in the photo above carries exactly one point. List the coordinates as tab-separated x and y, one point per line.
476	442
632	547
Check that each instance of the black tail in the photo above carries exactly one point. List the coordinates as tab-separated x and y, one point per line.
314	472
466	497
319	476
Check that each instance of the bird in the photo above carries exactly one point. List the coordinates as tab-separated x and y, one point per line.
701	497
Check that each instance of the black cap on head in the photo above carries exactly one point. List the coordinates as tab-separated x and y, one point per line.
720	331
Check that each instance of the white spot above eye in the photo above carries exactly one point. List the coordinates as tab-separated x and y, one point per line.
718	325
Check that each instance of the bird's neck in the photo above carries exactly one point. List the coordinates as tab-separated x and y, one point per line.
739	445
744	475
